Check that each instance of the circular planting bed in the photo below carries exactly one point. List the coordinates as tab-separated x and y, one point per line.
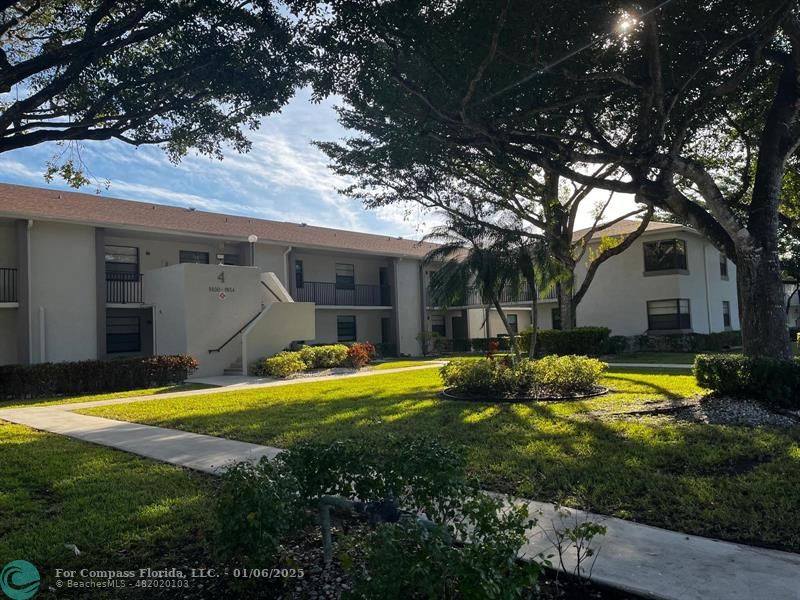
455	394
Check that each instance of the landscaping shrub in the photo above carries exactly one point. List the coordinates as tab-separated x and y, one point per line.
257	508
551	376
286	363
415	470
282	364
324	357
470	550
774	382
93	376
590	341
359	354
475	376
475	557
568	375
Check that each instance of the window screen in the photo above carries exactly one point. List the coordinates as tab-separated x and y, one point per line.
191	256
438	326
665	255
345	276
123	334
346	328
122	262
668	314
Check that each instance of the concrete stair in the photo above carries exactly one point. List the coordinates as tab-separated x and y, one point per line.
235	368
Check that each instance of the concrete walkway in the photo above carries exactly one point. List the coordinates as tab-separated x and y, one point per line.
652	562
650	365
238	382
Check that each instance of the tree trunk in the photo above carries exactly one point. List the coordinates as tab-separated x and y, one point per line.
534	325
761	294
566	304
531	280
504	319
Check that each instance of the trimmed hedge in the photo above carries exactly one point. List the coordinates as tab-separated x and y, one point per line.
772	381
93	376
591	341
552	376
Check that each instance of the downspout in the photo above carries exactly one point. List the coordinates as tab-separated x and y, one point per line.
705	276
423	293
286	267
30	288
42	336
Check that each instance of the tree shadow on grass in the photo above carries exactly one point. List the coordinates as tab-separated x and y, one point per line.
116	508
675	475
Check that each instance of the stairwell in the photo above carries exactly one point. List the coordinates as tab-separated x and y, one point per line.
235	367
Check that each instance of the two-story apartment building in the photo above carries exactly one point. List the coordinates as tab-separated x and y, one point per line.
84	277
671	280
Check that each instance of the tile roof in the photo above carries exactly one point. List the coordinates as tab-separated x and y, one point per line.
50	204
625	227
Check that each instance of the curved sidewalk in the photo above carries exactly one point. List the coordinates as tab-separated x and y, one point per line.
655	563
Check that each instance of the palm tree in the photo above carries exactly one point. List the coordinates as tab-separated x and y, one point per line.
542	273
472	255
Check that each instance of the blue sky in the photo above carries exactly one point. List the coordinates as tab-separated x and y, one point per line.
283	177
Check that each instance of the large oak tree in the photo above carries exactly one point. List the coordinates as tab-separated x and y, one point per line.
183	73
657	89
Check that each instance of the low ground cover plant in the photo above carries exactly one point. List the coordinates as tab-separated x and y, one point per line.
283	364
93	376
548	377
467	548
771	381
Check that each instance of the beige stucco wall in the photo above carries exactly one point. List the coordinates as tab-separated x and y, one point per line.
322	267
8	244
269	259
8	336
155	253
408	305
280	324
477	320
619	292
63	293
368	324
197	312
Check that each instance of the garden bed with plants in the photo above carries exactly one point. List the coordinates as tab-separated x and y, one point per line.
317	360
514	379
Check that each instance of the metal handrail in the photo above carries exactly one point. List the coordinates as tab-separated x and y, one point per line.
327	293
230	339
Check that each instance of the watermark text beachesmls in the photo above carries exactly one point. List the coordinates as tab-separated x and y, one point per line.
147	577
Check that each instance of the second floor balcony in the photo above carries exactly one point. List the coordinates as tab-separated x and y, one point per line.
328	294
8	285
523	295
123	288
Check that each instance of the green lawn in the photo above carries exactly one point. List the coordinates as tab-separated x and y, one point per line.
399	364
110	396
722	481
674	358
121	511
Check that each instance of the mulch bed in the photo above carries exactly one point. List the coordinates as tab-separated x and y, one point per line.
454	394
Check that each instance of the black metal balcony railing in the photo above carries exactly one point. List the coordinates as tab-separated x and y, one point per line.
8	285
507	296
327	294
123	288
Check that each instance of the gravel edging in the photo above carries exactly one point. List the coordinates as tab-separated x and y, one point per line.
452	394
712	410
